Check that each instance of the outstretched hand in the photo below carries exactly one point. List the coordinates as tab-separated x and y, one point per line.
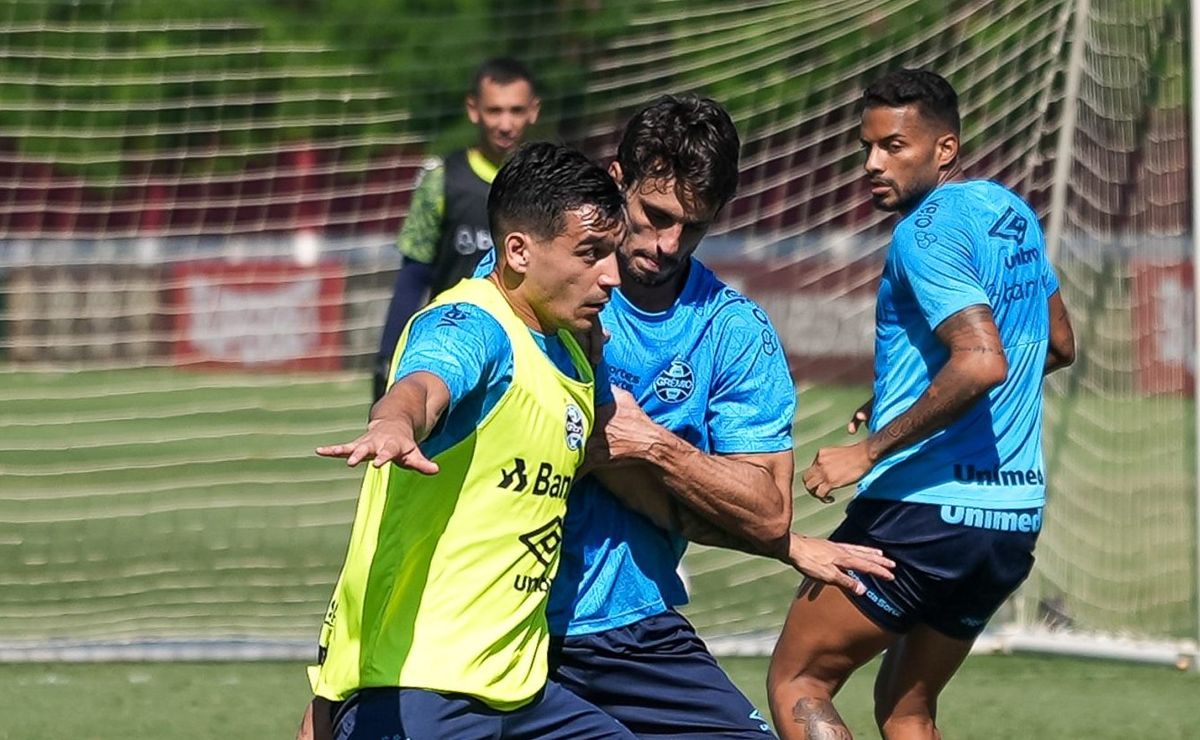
386	441
830	562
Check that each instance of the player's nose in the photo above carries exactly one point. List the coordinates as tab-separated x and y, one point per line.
609	276
874	162
668	240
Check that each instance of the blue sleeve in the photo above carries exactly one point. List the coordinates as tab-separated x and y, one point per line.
753	401
487	263
1049	278
938	264
604	394
461	344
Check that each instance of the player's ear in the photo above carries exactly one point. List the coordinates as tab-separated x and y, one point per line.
947	150
472	104
614	171
516	251
535	107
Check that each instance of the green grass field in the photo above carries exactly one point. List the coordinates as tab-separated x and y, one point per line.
992	697
161	504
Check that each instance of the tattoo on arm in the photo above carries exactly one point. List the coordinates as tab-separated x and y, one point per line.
820	720
976	360
1061	352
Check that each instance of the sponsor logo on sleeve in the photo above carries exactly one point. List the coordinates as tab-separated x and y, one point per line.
1011	226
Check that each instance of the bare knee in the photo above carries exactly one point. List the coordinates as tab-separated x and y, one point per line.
916	726
820	677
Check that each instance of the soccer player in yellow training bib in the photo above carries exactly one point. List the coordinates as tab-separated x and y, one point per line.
437	625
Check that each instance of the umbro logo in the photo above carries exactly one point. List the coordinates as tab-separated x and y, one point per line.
452	316
543	542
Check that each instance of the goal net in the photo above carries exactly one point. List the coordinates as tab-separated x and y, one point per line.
200	204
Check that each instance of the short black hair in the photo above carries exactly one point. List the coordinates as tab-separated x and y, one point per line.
689	138
502	71
536	187
928	91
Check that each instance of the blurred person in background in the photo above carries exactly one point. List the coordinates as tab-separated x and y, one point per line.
446	231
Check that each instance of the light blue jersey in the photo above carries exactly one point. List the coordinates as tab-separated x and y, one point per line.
711	370
967	243
467	349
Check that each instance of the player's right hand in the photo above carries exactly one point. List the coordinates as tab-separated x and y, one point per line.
387	441
829	562
861	416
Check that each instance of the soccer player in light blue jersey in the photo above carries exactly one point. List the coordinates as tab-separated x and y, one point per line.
950	479
698	446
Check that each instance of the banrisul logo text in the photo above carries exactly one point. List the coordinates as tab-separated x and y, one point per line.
675	383
574	427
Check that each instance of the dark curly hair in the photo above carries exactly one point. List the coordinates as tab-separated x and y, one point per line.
541	182
689	138
928	91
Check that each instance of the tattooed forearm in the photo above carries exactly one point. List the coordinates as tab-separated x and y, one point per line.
976	364
820	720
1061	351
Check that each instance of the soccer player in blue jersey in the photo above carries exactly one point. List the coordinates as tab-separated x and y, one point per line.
698	446
950	478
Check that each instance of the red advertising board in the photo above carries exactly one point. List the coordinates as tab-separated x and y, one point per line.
258	314
1164	327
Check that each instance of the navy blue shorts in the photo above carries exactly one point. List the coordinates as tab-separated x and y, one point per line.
417	714
657	678
955	565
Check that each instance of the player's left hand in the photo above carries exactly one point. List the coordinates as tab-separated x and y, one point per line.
624	434
833	562
835	467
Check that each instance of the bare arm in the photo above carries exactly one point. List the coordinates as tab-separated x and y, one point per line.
748	496
1061	351
975	365
638	487
399	421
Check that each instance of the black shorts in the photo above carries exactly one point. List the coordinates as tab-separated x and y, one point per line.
417	714
657	678
955	565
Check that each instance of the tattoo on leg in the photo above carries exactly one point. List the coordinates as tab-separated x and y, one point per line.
820	720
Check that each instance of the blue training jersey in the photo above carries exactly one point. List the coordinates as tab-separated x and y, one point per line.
711	370
967	243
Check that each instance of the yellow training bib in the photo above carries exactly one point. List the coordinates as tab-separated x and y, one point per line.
444	586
